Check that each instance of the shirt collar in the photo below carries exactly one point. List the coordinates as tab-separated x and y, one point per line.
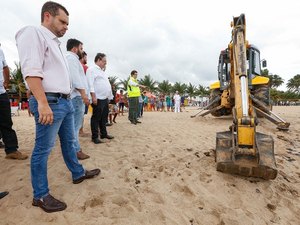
72	53
98	67
49	34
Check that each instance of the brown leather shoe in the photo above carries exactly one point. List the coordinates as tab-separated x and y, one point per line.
82	156
107	136
88	174
16	155
3	194
97	141
49	204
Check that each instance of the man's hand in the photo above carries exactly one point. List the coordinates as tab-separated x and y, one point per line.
6	77
94	100
45	114
86	100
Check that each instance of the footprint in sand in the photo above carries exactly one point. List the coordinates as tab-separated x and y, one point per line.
94	202
183	189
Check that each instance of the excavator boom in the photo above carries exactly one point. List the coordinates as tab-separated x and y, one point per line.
242	150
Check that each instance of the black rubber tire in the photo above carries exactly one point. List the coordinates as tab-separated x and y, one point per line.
221	112
262	93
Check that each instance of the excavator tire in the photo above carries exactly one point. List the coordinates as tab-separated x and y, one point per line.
262	93
221	112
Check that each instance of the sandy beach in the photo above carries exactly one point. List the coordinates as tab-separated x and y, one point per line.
159	172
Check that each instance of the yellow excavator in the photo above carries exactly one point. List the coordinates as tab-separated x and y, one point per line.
242	92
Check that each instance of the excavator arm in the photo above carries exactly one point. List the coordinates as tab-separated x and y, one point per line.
242	150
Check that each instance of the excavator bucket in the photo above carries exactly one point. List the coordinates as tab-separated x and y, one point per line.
232	159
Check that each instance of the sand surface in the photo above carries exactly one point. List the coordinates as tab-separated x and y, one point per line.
159	172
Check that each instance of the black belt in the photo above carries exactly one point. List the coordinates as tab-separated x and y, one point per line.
58	95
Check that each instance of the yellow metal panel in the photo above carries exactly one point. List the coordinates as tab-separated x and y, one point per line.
260	80
215	85
245	135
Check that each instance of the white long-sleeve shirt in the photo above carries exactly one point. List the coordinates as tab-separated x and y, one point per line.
176	98
131	82
77	76
2	65
98	83
40	56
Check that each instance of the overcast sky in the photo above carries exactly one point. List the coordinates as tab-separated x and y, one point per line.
168	39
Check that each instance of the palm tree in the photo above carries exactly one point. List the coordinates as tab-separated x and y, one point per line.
114	81
123	84
275	95
265	72
290	95
181	88
191	90
165	87
149	83
17	81
275	80
202	91
293	84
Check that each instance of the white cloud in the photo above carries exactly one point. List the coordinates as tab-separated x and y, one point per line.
170	40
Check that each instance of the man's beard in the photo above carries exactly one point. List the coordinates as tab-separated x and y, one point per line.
79	54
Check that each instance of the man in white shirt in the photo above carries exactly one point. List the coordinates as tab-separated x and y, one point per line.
8	134
101	93
46	72
78	92
177	102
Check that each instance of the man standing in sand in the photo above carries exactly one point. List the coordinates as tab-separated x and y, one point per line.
79	89
101	93
177	99
83	61
134	92
46	72
8	134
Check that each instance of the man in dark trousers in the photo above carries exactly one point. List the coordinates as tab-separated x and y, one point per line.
9	136
101	93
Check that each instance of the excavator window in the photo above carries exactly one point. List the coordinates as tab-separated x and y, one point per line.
223	70
254	61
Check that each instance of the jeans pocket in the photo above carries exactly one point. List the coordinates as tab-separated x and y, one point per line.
52	100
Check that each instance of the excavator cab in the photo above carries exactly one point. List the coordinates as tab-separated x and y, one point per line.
254	64
253	67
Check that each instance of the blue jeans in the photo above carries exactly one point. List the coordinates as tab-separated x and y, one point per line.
78	118
140	110
63	125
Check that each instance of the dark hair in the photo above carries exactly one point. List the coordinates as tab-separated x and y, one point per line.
71	43
133	72
82	55
99	56
52	8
